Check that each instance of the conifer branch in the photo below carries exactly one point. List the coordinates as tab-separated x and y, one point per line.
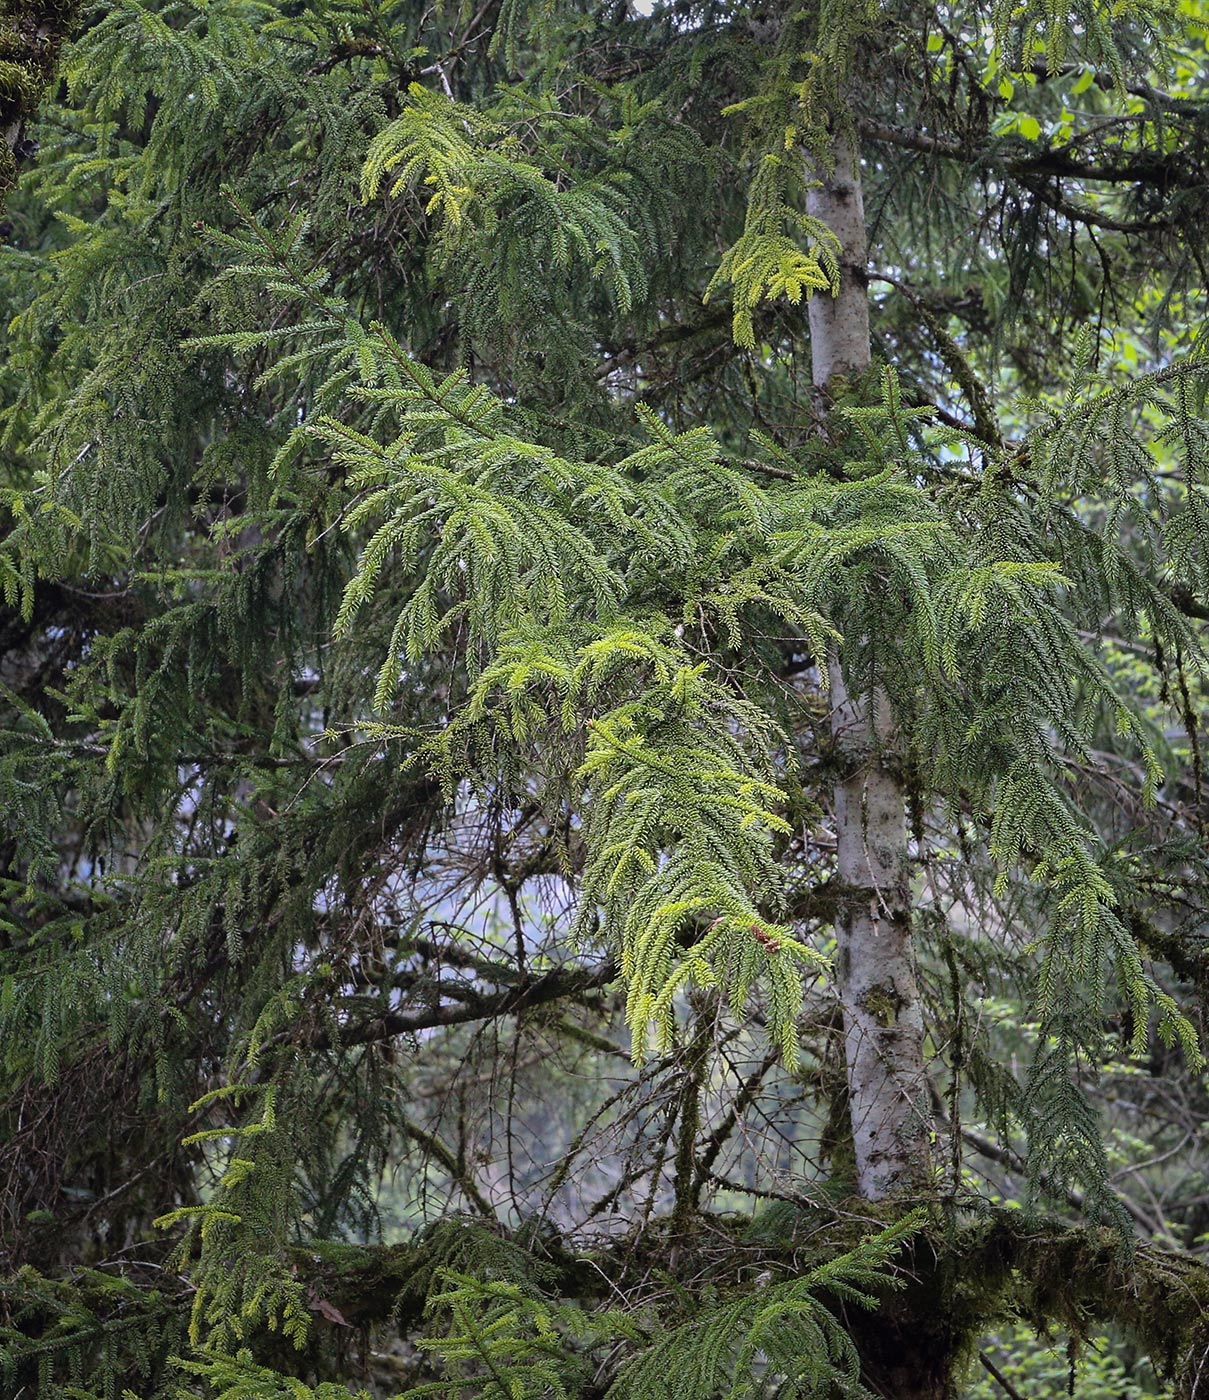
561	984
1164	172
448	1159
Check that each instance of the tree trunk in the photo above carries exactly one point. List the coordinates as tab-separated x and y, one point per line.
31	35
883	1020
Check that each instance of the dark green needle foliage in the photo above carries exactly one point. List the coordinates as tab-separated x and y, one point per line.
434	582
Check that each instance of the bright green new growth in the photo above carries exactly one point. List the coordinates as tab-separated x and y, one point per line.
679	825
767	263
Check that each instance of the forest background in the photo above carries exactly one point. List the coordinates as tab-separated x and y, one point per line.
601	689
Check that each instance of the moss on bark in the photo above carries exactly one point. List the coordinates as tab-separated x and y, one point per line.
32	34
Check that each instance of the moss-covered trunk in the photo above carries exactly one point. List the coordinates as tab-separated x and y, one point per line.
883	1017
31	34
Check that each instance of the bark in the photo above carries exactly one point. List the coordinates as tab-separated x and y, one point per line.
883	1018
32	32
839	325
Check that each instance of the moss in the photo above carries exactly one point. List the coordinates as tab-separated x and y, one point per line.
364	1282
964	1280
20	83
959	1279
8	171
31	37
883	1004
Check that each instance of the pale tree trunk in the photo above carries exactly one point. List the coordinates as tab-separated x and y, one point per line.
883	1018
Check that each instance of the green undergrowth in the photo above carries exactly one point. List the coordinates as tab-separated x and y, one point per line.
1043	1365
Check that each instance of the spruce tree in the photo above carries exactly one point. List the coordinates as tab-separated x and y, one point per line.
602	649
